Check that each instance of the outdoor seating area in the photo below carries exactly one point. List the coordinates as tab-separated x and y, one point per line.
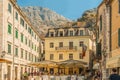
64	70
58	77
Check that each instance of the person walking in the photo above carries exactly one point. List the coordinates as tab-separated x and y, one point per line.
114	75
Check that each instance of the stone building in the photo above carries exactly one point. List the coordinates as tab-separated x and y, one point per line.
67	43
19	42
109	34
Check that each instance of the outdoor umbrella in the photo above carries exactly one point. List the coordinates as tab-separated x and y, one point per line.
72	63
44	63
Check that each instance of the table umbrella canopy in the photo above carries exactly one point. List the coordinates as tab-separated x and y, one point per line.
44	63
71	63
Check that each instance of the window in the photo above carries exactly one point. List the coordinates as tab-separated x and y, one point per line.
26	40
61	33
51	56
26	27
16	51
70	56
9	29
51	45
52	34
29	56
81	43
16	33
9	48
29	30
32	57
71	33
26	55
16	16
22	37
119	37
22	22
81	32
101	23
29	43
60	44
21	53
35	47
119	6
32	45
35	36
80	56
70	45
9	7
60	56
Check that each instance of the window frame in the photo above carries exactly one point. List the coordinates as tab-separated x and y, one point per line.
51	56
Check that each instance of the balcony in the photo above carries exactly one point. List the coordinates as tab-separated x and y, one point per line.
64	48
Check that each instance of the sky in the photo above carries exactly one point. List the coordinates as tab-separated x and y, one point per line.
71	9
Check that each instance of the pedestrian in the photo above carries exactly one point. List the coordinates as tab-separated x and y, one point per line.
97	75
114	75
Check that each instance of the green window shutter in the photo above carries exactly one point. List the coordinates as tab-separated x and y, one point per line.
16	51
26	40
9	8
16	16
16	34
21	37
119	37
9	48
9	29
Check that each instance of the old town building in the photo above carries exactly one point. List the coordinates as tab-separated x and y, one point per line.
19	42
109	34
69	43
113	61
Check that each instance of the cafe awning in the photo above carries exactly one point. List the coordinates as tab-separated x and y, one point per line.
2	60
72	63
45	63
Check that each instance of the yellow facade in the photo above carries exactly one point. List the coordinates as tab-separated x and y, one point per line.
66	44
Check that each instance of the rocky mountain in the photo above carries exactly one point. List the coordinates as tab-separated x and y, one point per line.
89	17
44	18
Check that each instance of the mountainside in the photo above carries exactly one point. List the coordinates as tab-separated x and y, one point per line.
89	17
44	18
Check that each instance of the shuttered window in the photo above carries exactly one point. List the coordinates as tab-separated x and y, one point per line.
9	48
16	33
9	29
21	37
9	7
119	37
